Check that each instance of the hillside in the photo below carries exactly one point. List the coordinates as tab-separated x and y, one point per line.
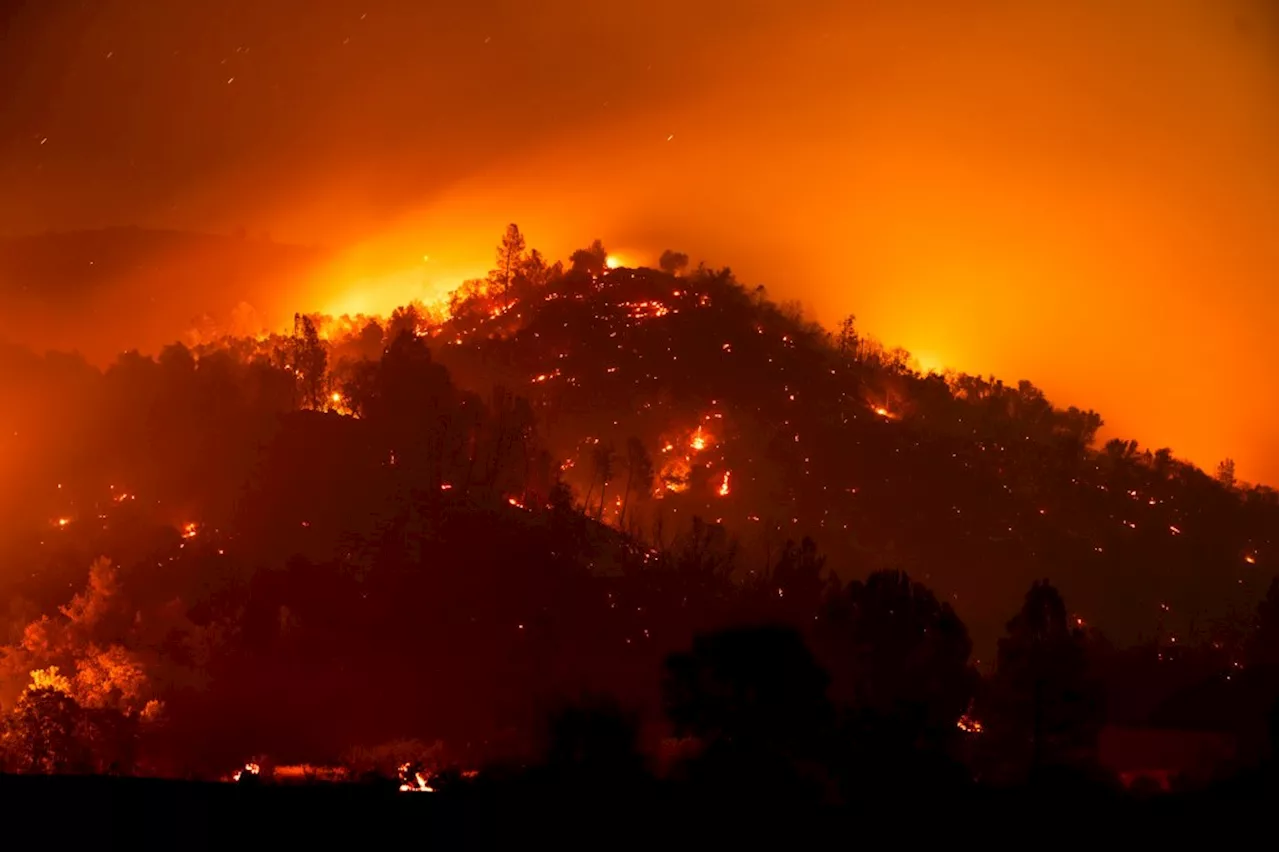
974	486
438	528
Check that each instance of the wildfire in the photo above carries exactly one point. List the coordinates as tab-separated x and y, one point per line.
699	441
969	725
882	411
612	262
251	768
724	485
189	530
414	782
645	310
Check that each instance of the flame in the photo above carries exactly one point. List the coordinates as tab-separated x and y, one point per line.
882	411
724	485
62	522
189	530
698	442
251	768
612	261
969	725
418	783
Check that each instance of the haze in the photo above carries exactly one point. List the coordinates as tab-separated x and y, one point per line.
1083	194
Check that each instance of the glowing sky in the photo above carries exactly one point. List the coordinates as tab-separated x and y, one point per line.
1079	193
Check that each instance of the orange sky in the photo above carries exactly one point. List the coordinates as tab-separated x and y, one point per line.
1078	193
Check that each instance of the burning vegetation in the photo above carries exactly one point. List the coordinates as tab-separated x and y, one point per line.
424	521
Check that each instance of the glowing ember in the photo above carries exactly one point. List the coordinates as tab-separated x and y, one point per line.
62	522
699	441
724	485
1251	559
969	725
882	411
190	529
1174	530
414	782
251	768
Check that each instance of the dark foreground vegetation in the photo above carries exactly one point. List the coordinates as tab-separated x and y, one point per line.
619	543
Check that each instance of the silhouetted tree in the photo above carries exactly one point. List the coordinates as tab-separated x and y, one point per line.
1262	646
309	360
757	686
673	262
590	259
603	456
509	256
41	733
639	475
1044	709
847	340
1226	473
899	660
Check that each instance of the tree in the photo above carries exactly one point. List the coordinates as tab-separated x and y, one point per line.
589	260
1226	473
639	474
899	659
1120	451
40	734
753	687
847	340
1044	709
309	359
1260	646
533	270
602	459
673	262
509	254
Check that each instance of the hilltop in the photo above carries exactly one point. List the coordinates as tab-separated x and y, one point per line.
975	486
